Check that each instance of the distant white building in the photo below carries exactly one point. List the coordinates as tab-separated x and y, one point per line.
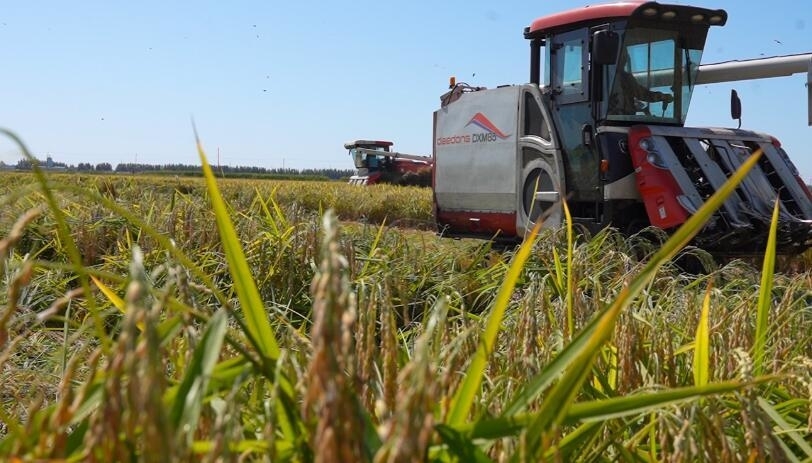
51	165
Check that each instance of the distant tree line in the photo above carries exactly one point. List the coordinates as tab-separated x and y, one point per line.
333	174
189	169
88	167
25	164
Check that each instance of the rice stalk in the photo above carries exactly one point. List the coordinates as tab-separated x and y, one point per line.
410	429
331	390
464	397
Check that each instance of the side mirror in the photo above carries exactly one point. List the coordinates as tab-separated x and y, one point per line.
605	45
735	107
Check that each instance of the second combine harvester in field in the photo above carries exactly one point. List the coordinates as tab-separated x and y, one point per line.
602	125
375	162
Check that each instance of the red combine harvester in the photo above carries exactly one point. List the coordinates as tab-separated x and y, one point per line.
376	163
602	125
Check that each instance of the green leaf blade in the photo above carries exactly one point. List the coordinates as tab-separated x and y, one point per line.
188	398
765	295
256	319
701	365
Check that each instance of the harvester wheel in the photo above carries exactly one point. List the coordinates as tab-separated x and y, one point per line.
539	176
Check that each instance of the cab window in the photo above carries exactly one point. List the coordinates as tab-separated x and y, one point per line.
534	123
569	80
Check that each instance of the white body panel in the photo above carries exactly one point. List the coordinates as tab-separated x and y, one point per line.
475	134
624	188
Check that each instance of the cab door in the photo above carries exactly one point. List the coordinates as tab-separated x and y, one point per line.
571	112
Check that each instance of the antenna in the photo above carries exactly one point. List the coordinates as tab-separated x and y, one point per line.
220	167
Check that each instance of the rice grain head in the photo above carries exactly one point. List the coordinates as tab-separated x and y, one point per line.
331	396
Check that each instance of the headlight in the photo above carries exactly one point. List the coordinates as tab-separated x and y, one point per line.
646	144
655	160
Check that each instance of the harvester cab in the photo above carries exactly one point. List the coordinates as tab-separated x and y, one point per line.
602	125
369	160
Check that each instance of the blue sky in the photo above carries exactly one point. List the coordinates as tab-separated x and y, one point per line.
273	83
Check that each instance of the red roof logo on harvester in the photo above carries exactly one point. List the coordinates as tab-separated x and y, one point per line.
483	122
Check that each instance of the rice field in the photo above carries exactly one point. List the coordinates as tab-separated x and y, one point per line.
159	319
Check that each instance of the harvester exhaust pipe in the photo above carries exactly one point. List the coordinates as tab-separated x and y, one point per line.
535	61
